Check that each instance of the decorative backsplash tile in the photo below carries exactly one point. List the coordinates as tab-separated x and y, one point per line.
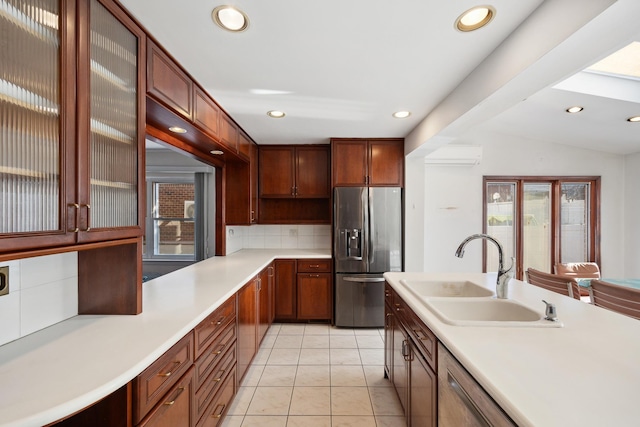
290	236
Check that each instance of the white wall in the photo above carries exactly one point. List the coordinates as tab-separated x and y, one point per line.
453	199
42	291
632	216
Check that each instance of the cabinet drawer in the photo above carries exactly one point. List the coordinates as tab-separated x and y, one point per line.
209	329
214	382
214	353
314	266
218	407
421	334
154	382
176	409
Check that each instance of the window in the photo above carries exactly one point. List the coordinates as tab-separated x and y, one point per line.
171	225
542	220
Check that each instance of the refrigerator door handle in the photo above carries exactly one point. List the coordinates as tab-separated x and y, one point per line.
363	279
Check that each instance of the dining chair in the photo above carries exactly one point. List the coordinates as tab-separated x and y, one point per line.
616	298
553	282
578	270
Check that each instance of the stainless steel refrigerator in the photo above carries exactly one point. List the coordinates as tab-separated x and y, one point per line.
367	242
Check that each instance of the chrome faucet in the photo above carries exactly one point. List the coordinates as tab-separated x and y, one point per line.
503	275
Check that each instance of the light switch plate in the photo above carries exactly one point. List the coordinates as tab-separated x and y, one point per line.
4	280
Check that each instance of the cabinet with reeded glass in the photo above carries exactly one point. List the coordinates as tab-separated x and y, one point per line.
75	119
72	171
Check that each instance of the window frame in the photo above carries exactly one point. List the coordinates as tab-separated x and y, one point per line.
556	194
150	230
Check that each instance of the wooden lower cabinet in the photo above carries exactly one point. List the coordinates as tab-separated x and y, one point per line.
247	325
423	391
315	296
303	289
411	369
285	289
176	410
220	404
157	381
266	299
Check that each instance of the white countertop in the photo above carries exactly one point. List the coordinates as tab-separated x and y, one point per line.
586	373
59	370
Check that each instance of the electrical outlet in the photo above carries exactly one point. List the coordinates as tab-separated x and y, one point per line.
293	232
4	280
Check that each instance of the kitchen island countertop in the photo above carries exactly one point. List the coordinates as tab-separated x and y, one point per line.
586	373
52	373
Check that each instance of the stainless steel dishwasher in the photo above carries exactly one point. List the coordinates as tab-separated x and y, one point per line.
461	400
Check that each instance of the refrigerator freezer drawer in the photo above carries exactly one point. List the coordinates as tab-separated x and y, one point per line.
359	300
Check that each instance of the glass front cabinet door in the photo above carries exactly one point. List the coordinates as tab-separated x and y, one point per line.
71	123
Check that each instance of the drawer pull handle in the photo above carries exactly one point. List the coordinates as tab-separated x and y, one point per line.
314	266
218	414
220	350
168	374
180	390
222	371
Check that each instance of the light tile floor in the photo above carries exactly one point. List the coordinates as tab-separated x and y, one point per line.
311	375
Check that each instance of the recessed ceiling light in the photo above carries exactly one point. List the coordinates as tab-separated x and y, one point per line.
474	18
634	119
230	18
276	114
177	129
575	109
216	152
401	114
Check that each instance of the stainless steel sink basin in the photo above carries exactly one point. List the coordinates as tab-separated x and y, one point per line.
446	288
487	312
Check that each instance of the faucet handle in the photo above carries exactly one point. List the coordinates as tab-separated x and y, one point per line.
550	312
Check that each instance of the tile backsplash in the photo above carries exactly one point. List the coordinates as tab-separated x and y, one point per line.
42	291
278	236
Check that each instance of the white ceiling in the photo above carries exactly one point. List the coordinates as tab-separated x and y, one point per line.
340	68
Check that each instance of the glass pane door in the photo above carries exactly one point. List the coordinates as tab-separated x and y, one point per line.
501	221
575	222
114	131
536	227
29	116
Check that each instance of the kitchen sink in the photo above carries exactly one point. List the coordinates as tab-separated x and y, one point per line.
446	288
487	312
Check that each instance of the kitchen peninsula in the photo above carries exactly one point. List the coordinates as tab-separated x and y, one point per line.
55	372
584	373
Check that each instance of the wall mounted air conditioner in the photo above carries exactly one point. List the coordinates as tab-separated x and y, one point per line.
455	155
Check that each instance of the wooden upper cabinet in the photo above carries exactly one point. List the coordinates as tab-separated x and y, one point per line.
372	162
312	172
75	145
349	162
277	171
206	113
167	82
294	171
228	133
244	145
